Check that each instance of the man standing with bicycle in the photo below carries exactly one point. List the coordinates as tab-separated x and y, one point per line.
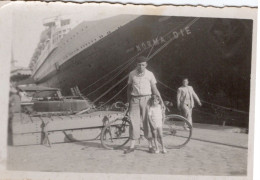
141	85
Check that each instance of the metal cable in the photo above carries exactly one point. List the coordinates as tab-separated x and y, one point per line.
114	96
223	107
149	58
107	91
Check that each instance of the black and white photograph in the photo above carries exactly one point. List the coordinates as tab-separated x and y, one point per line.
130	89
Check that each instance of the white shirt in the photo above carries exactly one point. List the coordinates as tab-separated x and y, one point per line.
155	114
141	84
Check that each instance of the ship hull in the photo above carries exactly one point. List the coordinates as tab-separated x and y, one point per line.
217	60
107	54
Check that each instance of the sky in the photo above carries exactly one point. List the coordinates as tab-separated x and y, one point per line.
28	25
28	21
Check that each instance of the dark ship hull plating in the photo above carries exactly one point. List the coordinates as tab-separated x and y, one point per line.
215	54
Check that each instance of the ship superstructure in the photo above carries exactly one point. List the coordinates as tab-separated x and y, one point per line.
55	29
59	43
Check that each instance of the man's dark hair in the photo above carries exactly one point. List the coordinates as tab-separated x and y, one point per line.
141	59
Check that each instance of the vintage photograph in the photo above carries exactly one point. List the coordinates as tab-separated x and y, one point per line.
103	88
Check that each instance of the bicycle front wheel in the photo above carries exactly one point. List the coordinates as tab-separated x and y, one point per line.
177	131
115	134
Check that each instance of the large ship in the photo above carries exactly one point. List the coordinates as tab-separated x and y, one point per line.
97	56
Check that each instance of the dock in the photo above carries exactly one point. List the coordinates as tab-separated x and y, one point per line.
213	150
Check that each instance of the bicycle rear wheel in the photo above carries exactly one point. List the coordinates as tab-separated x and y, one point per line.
177	131
115	134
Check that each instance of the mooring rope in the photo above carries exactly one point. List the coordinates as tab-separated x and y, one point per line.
114	96
111	72
188	25
223	107
149	58
107	91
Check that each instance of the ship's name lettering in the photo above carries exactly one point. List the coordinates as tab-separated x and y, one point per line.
160	40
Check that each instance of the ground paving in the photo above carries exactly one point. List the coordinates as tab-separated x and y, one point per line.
211	151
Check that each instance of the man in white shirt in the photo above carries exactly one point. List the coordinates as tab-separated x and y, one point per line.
185	100
141	85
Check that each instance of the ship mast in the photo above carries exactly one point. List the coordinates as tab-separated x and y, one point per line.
13	61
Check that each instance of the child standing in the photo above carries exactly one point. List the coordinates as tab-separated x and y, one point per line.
156	117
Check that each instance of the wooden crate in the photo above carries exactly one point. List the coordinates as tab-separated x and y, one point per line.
35	124
57	136
30	130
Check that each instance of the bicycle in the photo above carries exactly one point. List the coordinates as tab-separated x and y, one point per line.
177	132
